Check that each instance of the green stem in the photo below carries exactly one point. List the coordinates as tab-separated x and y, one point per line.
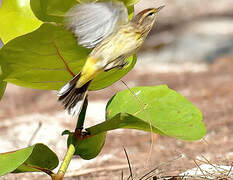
82	115
67	159
62	170
71	149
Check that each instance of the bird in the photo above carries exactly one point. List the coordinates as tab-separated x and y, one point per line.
106	28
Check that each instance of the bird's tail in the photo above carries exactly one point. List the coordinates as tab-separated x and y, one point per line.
72	97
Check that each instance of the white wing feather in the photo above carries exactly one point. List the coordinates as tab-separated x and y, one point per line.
93	22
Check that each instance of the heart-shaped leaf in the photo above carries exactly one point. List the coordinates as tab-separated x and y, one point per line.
45	58
34	158
158	108
16	19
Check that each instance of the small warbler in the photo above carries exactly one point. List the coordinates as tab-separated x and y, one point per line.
103	26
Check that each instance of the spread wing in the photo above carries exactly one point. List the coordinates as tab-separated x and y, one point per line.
93	22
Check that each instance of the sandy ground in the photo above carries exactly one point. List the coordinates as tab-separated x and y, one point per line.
209	88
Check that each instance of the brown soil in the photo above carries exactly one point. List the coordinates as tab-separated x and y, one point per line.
210	91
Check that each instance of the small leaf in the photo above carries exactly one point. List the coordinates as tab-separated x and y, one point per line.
45	58
66	132
167	112
16	19
33	158
88	148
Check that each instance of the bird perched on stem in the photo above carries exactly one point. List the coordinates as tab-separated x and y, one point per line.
103	26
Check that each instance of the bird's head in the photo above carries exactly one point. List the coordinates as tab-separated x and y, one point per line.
146	18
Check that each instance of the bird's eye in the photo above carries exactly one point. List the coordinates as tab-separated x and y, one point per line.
150	14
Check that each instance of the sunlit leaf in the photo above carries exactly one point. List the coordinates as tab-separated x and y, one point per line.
158	108
16	19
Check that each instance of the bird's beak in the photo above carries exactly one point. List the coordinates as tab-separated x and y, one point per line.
160	7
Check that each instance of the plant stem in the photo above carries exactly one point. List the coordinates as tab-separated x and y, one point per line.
71	149
62	170
82	115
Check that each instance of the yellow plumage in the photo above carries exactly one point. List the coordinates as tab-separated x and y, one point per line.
88	72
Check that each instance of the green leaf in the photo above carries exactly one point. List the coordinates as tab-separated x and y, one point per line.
50	10
35	60
88	148
2	88
2	83
32	60
129	2
54	11
34	158
167	111
16	19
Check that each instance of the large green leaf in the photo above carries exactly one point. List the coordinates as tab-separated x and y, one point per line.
16	18
167	111
54	11
35	60
34	158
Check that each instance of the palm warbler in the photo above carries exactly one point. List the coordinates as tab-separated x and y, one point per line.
105	27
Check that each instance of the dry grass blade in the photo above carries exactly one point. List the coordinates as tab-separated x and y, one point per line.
228	174
216	168
200	169
220	170
122	175
130	169
34	134
151	171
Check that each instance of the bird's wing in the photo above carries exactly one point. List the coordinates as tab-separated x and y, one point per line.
93	22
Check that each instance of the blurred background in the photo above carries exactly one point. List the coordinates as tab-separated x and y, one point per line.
191	50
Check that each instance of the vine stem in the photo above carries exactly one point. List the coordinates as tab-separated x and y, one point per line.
62	170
